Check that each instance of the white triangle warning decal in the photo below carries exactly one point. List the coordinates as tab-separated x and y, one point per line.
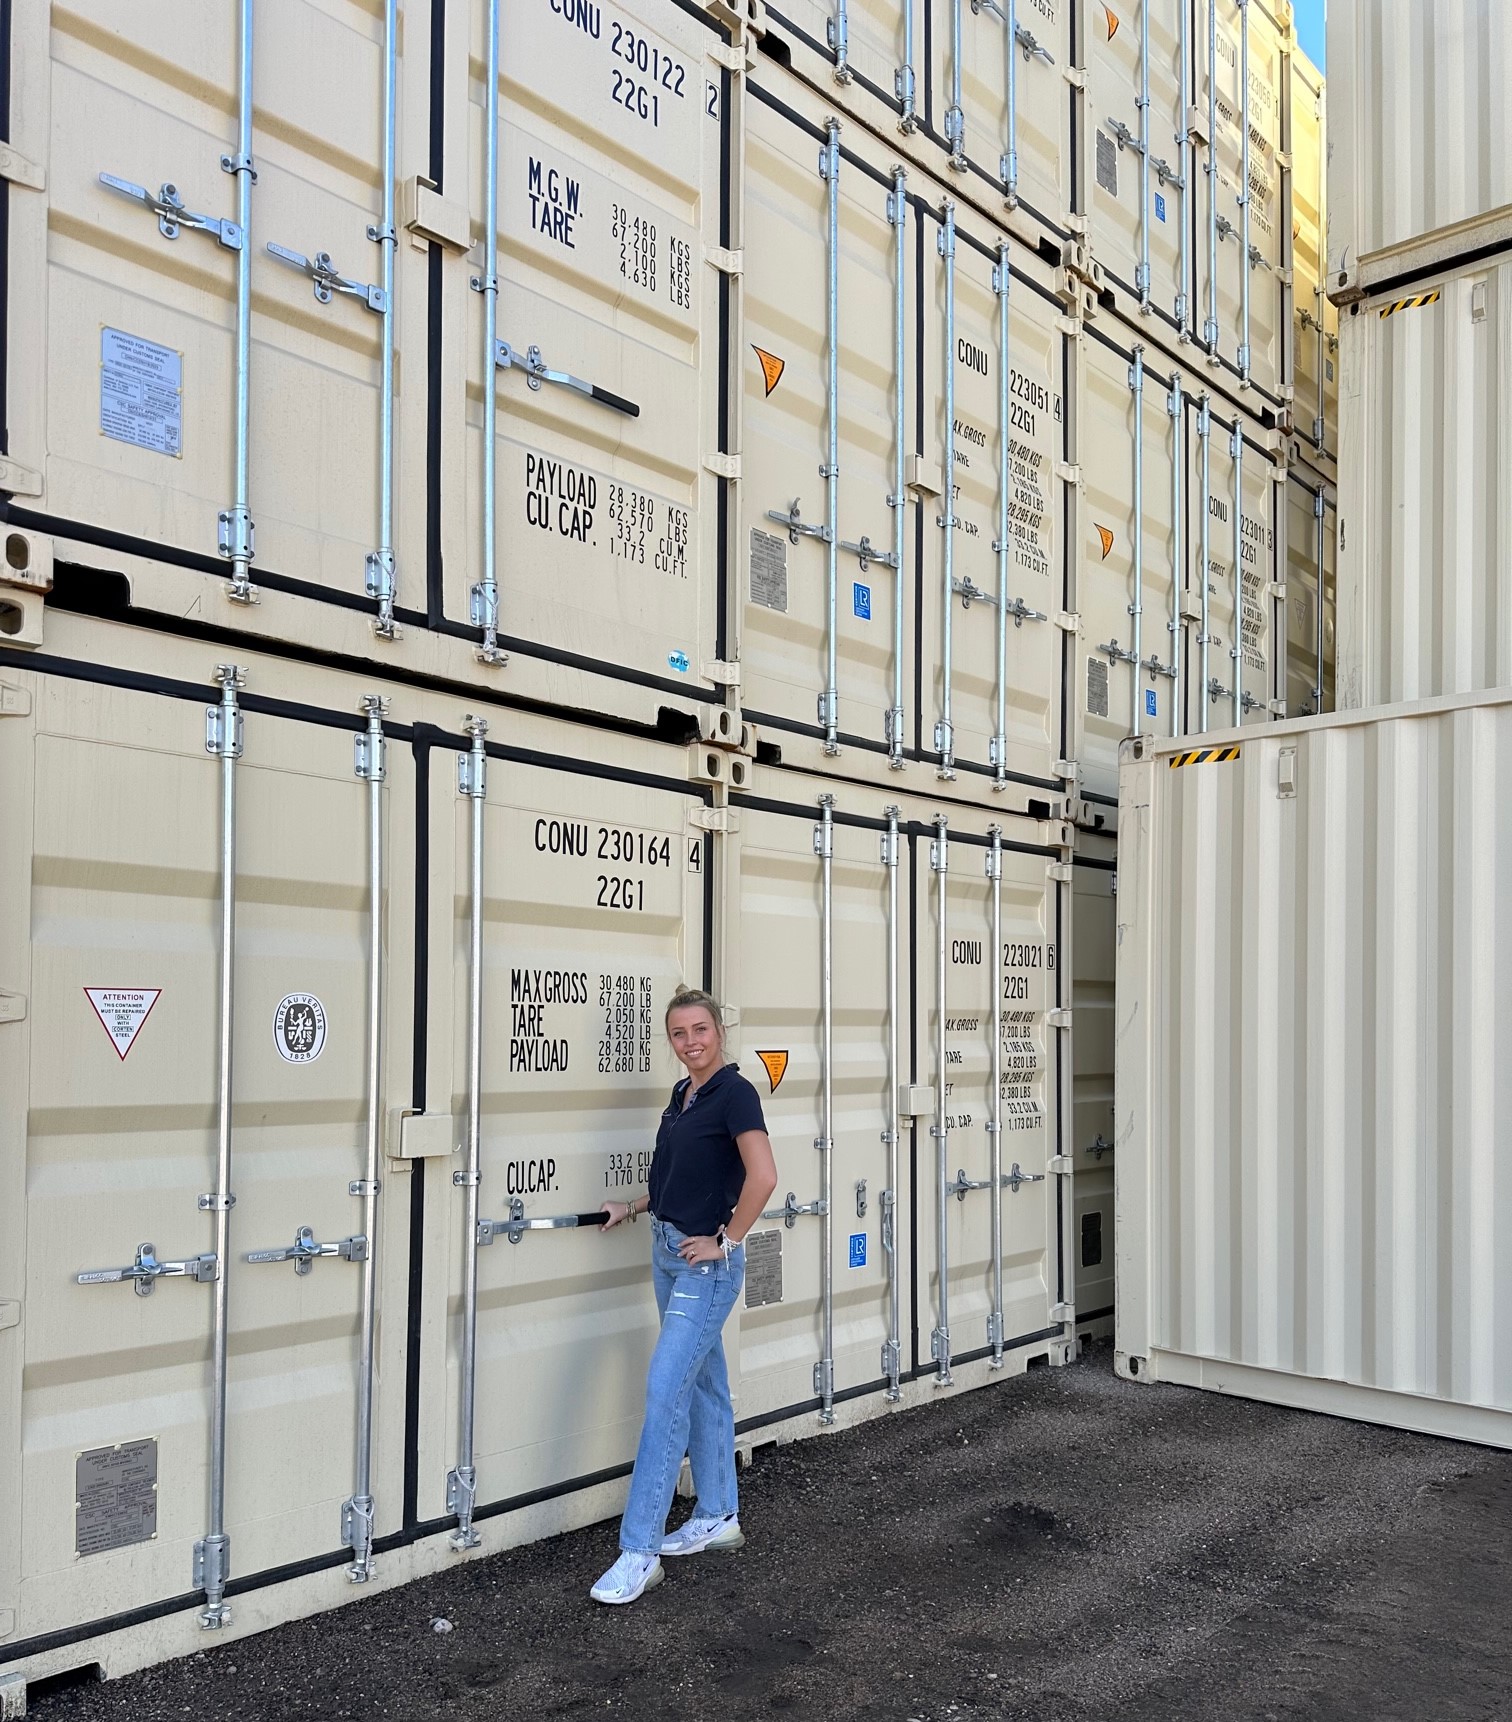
122	1011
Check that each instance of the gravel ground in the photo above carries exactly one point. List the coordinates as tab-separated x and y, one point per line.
1064	1547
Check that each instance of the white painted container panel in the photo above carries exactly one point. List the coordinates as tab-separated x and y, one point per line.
1425	497
1311	524
1313	994
1420	146
1315	319
1095	888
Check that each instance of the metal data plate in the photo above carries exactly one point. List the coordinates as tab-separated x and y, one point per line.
115	1496
763	1272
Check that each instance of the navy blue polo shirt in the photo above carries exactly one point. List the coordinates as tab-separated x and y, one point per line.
696	1172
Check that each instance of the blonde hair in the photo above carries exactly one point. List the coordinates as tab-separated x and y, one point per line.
690	998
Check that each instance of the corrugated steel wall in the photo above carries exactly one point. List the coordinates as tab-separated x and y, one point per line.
1314	1002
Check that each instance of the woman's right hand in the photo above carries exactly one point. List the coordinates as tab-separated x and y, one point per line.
618	1213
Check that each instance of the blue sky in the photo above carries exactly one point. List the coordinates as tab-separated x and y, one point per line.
1309	15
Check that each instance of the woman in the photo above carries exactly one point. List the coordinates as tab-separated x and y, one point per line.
711	1175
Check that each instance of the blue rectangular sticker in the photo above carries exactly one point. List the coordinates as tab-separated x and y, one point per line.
1159	207
1150	702
858	1249
861	600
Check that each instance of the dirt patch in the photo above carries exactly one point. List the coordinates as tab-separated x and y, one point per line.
1064	1547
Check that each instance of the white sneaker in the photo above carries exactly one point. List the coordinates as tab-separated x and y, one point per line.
631	1576
720	1536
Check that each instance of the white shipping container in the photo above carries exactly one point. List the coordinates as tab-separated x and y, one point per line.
1420	143
1425	490
1315	322
1310	522
1094	950
1314	998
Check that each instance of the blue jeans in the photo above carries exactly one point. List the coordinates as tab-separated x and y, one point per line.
688	1406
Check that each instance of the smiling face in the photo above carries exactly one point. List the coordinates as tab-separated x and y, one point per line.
696	1040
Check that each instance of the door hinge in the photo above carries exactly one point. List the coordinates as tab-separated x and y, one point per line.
721	672
1060	871
19	480
722	465
726	819
1058	1018
1068	472
727	262
1068	620
428	217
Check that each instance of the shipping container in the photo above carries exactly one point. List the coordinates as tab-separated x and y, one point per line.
1094	950
312	353
389	971
1186	108
896	351
1311	528
1314	991
1420	146
1315	320
1425	504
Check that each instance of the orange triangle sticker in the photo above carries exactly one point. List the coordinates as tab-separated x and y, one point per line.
1107	539
771	368
775	1062
1112	22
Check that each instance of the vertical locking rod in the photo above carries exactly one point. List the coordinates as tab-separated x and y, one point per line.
824	845
829	704
1210	327
839	35
1205	436
1176	406
357	1513
955	117
1142	273
462	1483
485	595
944	738
1185	158
1318	515
1245	264
998	748
995	1123
380	563
1136	609
212	1554
897	214
1010	162
236	537
892	1351
905	81
1236	450
939	861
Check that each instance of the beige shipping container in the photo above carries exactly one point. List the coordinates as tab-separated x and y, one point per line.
1315	323
1161	184
594	870
1420	145
849	560
271	358
1311	528
1425	491
1313	1001
1094	915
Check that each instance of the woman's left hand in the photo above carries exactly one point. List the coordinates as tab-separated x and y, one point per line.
696	1250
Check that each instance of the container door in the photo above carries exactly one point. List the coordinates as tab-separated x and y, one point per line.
1231	679
1120	236
955	1168
776	981
874	43
1311	534
1018	143
593	913
964	418
1128	557
610	129
120	806
1220	291
1092	1038
124	305
1315	339
792	410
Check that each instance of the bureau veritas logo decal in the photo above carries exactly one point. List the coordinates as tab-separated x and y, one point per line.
122	1011
299	1028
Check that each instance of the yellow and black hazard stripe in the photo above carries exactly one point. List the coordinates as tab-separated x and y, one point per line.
1415	303
1204	756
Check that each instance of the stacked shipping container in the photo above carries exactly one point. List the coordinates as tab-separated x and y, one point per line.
675	494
